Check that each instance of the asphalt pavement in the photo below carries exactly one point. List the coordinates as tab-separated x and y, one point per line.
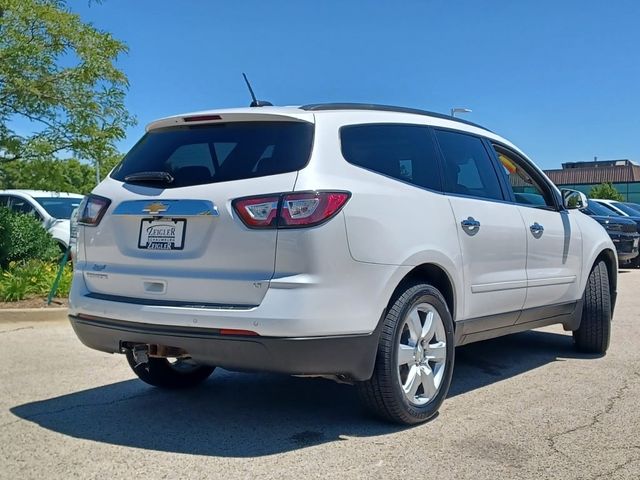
522	406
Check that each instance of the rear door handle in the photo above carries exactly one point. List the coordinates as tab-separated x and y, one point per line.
470	223
536	229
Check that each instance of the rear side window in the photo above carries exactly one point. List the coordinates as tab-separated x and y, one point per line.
59	207
405	152
468	168
197	155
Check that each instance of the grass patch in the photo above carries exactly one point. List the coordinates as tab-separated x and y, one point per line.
32	278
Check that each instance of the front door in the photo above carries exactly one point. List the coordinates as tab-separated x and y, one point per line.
554	241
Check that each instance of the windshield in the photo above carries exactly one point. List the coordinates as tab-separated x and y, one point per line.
594	208
59	207
629	210
216	153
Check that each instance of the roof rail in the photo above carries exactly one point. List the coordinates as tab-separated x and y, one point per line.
384	108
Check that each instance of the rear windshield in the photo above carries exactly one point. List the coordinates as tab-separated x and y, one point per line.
197	155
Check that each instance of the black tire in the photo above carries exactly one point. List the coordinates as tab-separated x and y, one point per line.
382	394
159	372
595	326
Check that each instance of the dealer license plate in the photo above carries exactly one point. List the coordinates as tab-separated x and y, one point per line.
163	234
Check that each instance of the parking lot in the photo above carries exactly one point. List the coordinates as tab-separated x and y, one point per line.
523	406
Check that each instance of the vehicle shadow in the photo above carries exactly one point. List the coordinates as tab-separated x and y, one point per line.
247	415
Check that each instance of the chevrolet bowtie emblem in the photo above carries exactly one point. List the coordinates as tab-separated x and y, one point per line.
155	208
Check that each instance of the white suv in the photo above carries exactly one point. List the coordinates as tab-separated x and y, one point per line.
53	209
356	242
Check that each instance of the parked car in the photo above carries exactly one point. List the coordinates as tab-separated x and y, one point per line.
355	242
53	209
625	210
623	231
629	205
622	208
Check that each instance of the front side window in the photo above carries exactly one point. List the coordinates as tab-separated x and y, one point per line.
468	168
20	205
526	190
401	151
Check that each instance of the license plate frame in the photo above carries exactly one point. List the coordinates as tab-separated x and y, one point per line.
162	234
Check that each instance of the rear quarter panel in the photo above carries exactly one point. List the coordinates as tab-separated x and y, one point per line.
388	222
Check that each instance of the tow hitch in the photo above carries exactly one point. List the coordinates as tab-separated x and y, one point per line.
141	352
140	355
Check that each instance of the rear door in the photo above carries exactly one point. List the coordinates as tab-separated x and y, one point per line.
179	242
491	232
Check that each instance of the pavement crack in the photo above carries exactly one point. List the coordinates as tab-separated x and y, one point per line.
611	402
83	405
16	329
8	424
616	469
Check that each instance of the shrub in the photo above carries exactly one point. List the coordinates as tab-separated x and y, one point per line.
13	287
4	234
605	191
22	238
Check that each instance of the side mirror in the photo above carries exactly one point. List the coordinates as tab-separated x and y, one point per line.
573	199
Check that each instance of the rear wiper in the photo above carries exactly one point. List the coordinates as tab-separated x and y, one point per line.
162	177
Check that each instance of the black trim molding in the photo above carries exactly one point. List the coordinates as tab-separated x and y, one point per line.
483	328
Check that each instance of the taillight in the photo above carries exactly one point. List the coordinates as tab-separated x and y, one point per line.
258	212
289	210
312	208
92	209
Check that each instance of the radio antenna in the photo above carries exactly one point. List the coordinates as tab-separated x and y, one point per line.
254	101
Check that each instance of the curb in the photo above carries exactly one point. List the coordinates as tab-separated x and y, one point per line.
8	315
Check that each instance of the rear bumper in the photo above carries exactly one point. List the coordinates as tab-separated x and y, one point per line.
303	305
351	356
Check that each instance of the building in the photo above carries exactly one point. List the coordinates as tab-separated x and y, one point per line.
623	174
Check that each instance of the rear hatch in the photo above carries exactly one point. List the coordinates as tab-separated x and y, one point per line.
170	235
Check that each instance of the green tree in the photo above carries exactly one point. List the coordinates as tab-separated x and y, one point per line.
59	74
69	175
605	191
57	175
108	162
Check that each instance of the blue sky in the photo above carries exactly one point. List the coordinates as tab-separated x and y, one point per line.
561	79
